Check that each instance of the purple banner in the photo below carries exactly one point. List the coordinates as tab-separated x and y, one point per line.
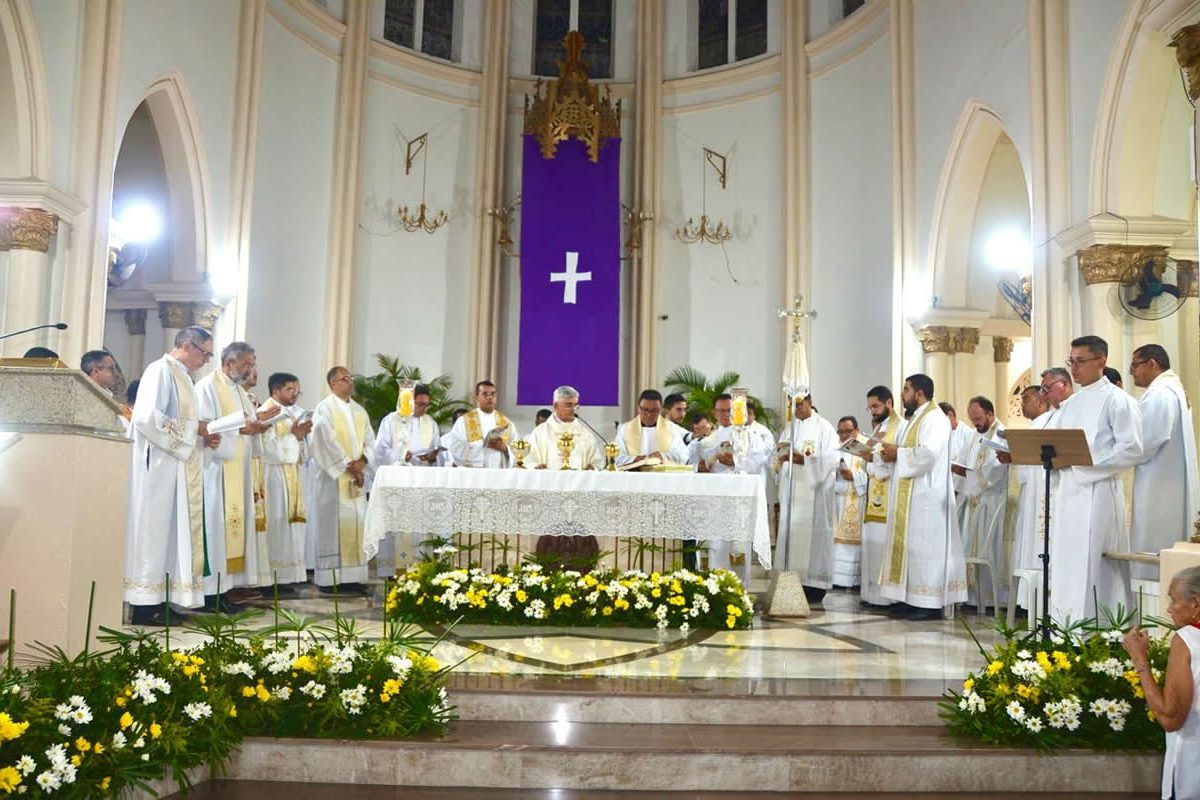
570	274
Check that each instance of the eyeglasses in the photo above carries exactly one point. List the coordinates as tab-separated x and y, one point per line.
207	354
1046	387
1135	364
1079	362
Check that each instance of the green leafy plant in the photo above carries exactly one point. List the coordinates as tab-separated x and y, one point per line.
378	393
701	392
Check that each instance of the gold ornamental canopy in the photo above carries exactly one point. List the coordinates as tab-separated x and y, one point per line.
572	107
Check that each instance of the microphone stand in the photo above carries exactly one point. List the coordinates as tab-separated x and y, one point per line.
62	326
596	433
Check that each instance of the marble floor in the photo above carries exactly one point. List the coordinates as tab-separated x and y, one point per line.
838	643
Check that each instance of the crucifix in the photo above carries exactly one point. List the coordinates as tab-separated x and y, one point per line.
570	278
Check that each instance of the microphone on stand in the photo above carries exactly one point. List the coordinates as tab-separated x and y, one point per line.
62	326
603	441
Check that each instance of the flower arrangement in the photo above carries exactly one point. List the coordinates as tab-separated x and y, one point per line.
1078	689
92	725
434	590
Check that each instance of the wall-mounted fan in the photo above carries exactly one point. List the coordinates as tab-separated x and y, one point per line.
123	262
1019	297
1153	289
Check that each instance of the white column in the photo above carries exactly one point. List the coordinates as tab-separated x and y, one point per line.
647	179
135	323
964	342
1002	348
906	349
937	341
27	233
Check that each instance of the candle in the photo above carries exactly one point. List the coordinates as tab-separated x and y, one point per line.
406	403
739	411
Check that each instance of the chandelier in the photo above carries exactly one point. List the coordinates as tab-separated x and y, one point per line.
424	219
707	232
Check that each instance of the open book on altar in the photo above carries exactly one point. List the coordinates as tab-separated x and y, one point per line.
650	461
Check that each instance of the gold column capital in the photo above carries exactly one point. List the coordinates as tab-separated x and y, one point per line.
1188	275
175	313
26	228
205	314
947	339
1186	42
966	340
1002	348
135	321
1106	263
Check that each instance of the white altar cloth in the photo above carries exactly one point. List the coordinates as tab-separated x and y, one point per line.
442	501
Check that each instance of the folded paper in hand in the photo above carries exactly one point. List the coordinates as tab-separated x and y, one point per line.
227	424
496	433
999	447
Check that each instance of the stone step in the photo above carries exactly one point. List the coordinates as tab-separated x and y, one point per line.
728	758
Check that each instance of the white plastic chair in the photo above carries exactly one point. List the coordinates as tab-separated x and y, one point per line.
1033	578
983	559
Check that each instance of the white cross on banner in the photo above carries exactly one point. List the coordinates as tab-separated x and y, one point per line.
570	279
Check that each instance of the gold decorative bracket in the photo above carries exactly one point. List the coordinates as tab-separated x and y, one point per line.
635	218
718	163
504	218
412	150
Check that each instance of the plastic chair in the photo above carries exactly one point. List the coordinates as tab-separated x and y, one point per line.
1033	578
983	559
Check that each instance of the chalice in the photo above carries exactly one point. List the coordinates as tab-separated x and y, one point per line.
520	449
610	454
566	443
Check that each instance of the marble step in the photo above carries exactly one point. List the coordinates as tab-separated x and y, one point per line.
727	758
651	708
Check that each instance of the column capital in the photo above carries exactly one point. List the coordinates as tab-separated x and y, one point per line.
26	228
175	313
206	313
1186	42
1002	348
1106	263
1188	275
948	339
966	340
135	321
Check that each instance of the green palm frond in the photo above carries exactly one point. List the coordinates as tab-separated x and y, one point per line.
685	378
701	392
378	393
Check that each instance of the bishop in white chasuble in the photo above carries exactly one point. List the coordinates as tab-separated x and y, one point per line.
587	452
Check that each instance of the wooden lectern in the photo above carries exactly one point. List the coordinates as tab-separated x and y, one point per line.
1050	449
64	482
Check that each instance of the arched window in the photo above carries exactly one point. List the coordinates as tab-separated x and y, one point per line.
432	23
593	20
729	31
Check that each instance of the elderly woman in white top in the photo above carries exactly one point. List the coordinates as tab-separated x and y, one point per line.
1176	704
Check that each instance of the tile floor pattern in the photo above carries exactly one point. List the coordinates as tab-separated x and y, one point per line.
838	642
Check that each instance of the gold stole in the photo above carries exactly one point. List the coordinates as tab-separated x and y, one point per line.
877	490
233	478
349	524
291	472
849	525
633	438
193	469
894	568
475	431
424	432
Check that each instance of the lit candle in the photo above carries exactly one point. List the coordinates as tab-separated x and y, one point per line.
406	402
739	411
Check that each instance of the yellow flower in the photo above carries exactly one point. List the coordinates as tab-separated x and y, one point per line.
305	663
1150	715
606	611
1061	660
656	592
621	603
155	730
126	720
82	745
679	600
247	691
190	670
730	621
676	587
994	667
391	686
262	693
120	701
98	748
428	662
733	611
1024	690
179	658
104	783
521	596
76	760
968	684
1003	689
197	660
1044	661
385	697
589	581
9	779
10	730
233	711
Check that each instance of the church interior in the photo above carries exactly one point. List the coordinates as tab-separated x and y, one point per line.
952	188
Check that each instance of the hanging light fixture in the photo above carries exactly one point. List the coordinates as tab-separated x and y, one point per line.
423	219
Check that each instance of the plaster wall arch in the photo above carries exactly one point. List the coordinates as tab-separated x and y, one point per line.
173	112
25	131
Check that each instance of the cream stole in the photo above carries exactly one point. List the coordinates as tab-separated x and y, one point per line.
230	398
291	472
193	468
349	522
981	452
877	490
425	426
633	438
849	525
895	567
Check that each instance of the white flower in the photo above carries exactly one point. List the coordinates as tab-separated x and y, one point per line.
1024	654
1112	636
684	628
82	715
26	764
77	701
65	730
400	665
140	742
972	703
118	740
313	689
277	661
145	685
283	692
57	756
67	773
62	711
445	550
1034	724
1016	711
354	699
48	781
197	711
239	668
145	756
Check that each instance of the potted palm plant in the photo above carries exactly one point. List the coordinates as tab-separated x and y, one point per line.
378	393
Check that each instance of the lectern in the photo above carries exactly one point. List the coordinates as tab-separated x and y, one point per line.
1051	450
64	479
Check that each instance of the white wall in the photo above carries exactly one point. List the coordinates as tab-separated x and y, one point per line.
289	234
851	255
58	23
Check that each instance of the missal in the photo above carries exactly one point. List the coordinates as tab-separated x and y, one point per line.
999	447
230	423
856	448
633	466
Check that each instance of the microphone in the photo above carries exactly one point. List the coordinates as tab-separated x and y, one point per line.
603	441
62	326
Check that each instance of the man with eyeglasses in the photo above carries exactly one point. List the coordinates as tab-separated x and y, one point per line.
1088	514
650	435
164	539
1166	494
342	448
101	367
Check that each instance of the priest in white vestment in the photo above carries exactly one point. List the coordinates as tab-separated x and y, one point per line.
887	424
984	495
482	436
850	486
1087	511
806	461
675	411
412	440
728	449
961	438
284	452
231	541
650	435
164	538
342	446
923	568
1030	538
587	450
1166	488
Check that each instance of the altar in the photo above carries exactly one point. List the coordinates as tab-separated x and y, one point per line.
444	501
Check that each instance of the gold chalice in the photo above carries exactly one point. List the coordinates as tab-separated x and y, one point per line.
566	443
520	449
610	454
